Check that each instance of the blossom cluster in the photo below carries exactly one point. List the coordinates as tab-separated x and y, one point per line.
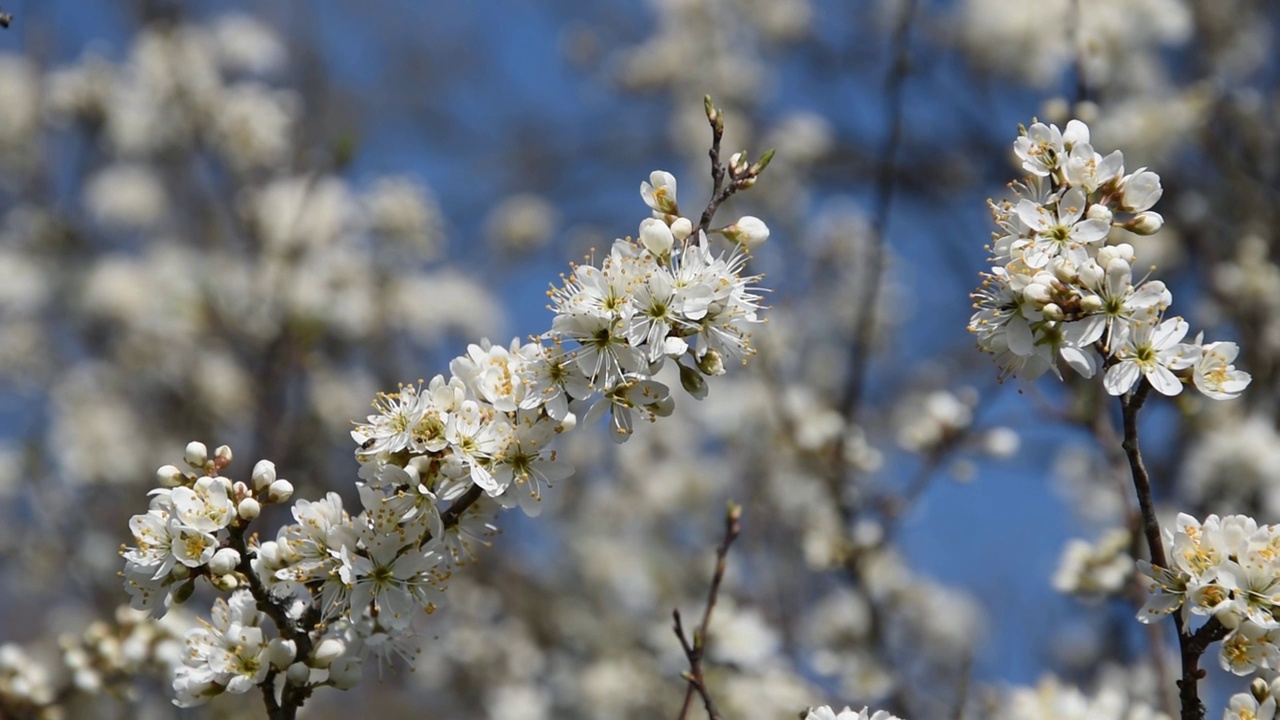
1059	292
437	458
1227	568
826	713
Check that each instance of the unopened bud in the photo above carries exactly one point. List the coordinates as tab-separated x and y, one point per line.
656	236
1092	304
738	162
196	454
224	561
749	232
280	491
1260	690
712	113
222	456
711	364
281	652
183	592
249	509
298	674
264	473
763	162
1098	211
180	572
1146	223
225	583
328	650
692	381
1036	294
681	228
1052	312
170	476
346	673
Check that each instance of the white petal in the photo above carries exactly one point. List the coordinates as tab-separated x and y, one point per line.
1165	382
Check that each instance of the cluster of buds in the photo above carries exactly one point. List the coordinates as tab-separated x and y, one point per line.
1058	292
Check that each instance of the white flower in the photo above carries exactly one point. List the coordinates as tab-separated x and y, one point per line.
1146	349
660	193
1041	149
826	713
1244	706
1061	231
1140	190
1215	376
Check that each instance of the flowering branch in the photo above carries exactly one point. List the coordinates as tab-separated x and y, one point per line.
1058	295
694	650
741	177
438	460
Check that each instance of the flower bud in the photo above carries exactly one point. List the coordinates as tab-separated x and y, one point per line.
1260	690
280	491
269	553
1036	294
711	364
196	454
1091	272
326	651
346	673
692	381
682	228
170	476
281	652
180	572
298	674
1124	251
656	236
1064	270
1052	312
738	162
1098	211
264	473
183	592
225	583
749	232
224	561
1146	223
1141	190
249	509
222	456
1092	304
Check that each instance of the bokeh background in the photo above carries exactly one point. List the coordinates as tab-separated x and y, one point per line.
236	222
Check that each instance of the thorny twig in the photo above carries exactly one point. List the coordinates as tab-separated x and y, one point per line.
694	650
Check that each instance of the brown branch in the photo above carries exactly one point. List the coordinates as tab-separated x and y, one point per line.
694	650
1190	647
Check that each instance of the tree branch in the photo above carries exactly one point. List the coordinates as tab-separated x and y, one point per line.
694	650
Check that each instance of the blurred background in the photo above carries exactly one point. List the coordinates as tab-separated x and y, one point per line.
236	222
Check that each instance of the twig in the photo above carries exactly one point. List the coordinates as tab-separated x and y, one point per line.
741	176
886	186
5	19
1190	647
694	650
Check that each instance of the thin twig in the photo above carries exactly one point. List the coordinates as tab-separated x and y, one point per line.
5	19
694	650
886	186
741	176
1191	647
